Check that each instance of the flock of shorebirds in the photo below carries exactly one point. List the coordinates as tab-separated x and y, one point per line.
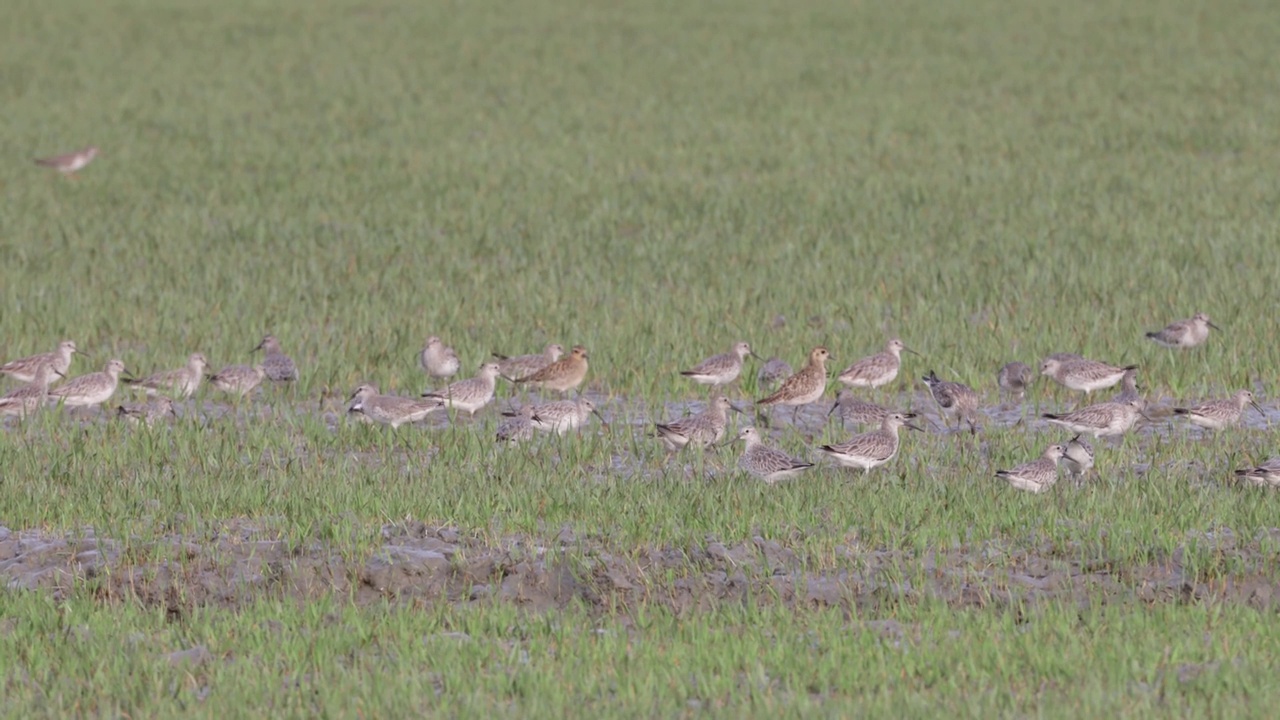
553	370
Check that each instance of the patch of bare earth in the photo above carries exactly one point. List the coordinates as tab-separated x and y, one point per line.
236	562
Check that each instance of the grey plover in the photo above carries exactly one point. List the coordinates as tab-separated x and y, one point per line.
1083	375
517	427
1184	333
1014	378
852	409
1265	475
148	413
720	369
768	464
1036	476
278	366
955	400
472	394
1106	419
773	371
1129	389
91	389
238	380
876	370
390	409
1078	456
1219	414
70	163
24	369
438	360
563	416
871	449
181	383
27	399
701	430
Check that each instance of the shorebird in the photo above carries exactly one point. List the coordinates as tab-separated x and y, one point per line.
1129	389
182	383
70	163
1078	457
156	408
390	409
1014	379
29	398
24	369
701	430
774	371
1037	475
518	427
851	409
1106	419
871	449
522	365
278	366
1265	475
764	462
562	375
1083	375
469	395
91	389
876	370
239	380
564	415
438	360
955	400
720	369
1184	333
804	387
1219	414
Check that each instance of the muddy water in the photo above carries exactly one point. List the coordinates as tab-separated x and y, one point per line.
239	561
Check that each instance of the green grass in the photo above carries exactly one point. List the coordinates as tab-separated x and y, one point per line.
654	180
83	659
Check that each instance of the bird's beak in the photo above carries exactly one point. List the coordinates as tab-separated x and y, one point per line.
737	409
55	372
1258	407
602	420
1215	327
917	428
754	355
913	352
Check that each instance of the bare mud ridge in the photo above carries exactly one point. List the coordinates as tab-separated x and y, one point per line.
238	562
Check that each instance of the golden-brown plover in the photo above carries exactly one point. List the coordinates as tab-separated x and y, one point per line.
562	375
524	365
804	387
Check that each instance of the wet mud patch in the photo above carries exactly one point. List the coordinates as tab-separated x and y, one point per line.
237	562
